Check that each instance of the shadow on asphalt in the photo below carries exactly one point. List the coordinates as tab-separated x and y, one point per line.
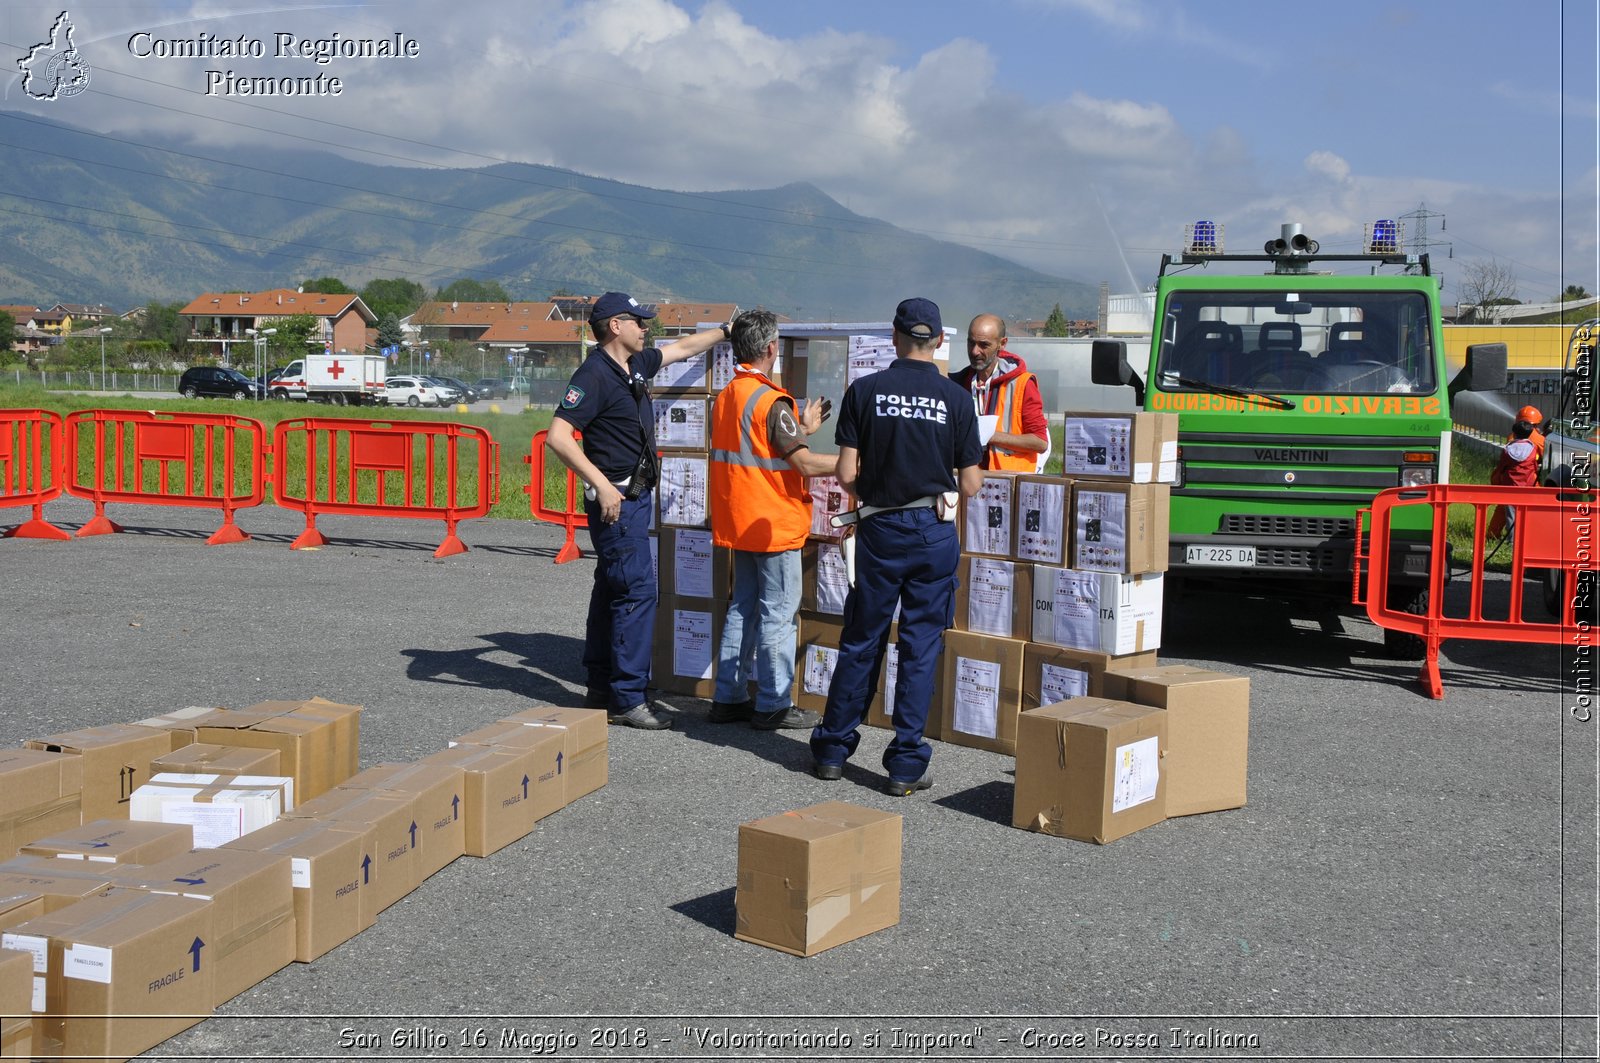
990	802
333	540
715	910
549	663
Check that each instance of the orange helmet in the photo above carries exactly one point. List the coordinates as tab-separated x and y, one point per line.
1531	414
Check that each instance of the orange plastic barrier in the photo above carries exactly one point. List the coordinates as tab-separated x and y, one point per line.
166	459
360	467
573	517
1551	539
31	463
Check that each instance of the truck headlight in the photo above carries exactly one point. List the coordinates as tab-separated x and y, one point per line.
1416	475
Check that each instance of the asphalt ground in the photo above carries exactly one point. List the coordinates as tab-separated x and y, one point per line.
1410	879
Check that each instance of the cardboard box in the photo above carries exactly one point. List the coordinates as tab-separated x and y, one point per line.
252	904
16	1003
435	790
817	652
1120	527
318	740
179	723
982	691
40	793
545	791
683	495
583	765
689	565
988	518
1044	519
498	782
124	965
684	657
1051	674
1101	611
57	884
204	758
1208	731
881	712
219	808
391	866
824	584
994	597
18	906
1132	447
115	841
828	500
1090	769
683	422
116	759
817	877
326	872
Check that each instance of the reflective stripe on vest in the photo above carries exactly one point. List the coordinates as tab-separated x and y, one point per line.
759	503
1007	403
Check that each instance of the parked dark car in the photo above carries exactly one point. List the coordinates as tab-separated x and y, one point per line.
215	382
491	388
466	392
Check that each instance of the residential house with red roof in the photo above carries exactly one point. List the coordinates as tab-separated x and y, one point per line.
344	322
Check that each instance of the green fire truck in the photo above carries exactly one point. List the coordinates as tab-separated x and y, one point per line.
1300	393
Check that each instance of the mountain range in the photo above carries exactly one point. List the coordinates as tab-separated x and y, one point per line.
105	218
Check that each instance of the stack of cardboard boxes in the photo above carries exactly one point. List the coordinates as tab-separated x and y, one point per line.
117	933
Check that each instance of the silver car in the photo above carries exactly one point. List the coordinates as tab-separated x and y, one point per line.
412	391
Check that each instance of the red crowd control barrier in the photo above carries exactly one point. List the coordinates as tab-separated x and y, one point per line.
1551	540
573	517
212	461
416	469
32	457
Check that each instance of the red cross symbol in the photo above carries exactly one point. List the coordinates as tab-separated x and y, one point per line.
337	370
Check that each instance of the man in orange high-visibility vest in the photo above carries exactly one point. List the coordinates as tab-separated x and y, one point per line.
761	511
1006	397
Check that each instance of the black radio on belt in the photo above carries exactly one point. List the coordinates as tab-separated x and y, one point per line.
646	472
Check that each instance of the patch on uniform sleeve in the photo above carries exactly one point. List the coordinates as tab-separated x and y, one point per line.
572	398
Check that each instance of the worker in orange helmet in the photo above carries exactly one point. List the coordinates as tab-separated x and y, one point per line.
1518	465
1533	416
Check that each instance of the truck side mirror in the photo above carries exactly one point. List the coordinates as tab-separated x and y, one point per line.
1485	369
1108	364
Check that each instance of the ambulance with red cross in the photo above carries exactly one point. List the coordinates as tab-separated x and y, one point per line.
343	379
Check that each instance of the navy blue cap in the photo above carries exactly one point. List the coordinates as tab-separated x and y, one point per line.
918	318
611	304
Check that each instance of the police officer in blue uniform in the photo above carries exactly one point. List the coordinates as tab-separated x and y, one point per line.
608	401
908	441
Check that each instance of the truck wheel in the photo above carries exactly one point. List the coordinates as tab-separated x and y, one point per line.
1401	645
280	394
338	398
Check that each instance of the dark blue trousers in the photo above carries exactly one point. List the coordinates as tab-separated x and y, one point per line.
907	556
622	605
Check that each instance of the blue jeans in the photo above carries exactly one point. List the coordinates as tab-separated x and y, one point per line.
907	556
622	604
759	632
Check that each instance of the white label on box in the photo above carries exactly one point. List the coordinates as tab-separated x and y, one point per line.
103	859
990	596
891	672
833	582
1138	770
70	856
40	994
213	825
87	963
1061	684
691	563
1041	532
691	644
723	365
977	697
681	423
1143	472
30	943
1168	473
1096	446
868	354
689	373
828	500
1102	531
1071	601
683	491
988	524
300	872
817	674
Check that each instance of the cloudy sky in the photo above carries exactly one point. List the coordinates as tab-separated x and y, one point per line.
1076	136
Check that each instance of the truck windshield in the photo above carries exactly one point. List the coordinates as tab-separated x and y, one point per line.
1304	343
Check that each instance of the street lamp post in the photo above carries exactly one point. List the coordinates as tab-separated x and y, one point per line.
103	358
260	340
481	365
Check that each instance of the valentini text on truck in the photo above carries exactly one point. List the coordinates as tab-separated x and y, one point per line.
1300	395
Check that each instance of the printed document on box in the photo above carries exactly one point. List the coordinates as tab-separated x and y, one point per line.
1075	609
833	582
691	643
1138	770
990	596
1102	529
817	673
1096	446
683	491
977	697
691	568
1040	534
1061	684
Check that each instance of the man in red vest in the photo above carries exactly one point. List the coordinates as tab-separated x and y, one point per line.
1007	399
761	511
1518	466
